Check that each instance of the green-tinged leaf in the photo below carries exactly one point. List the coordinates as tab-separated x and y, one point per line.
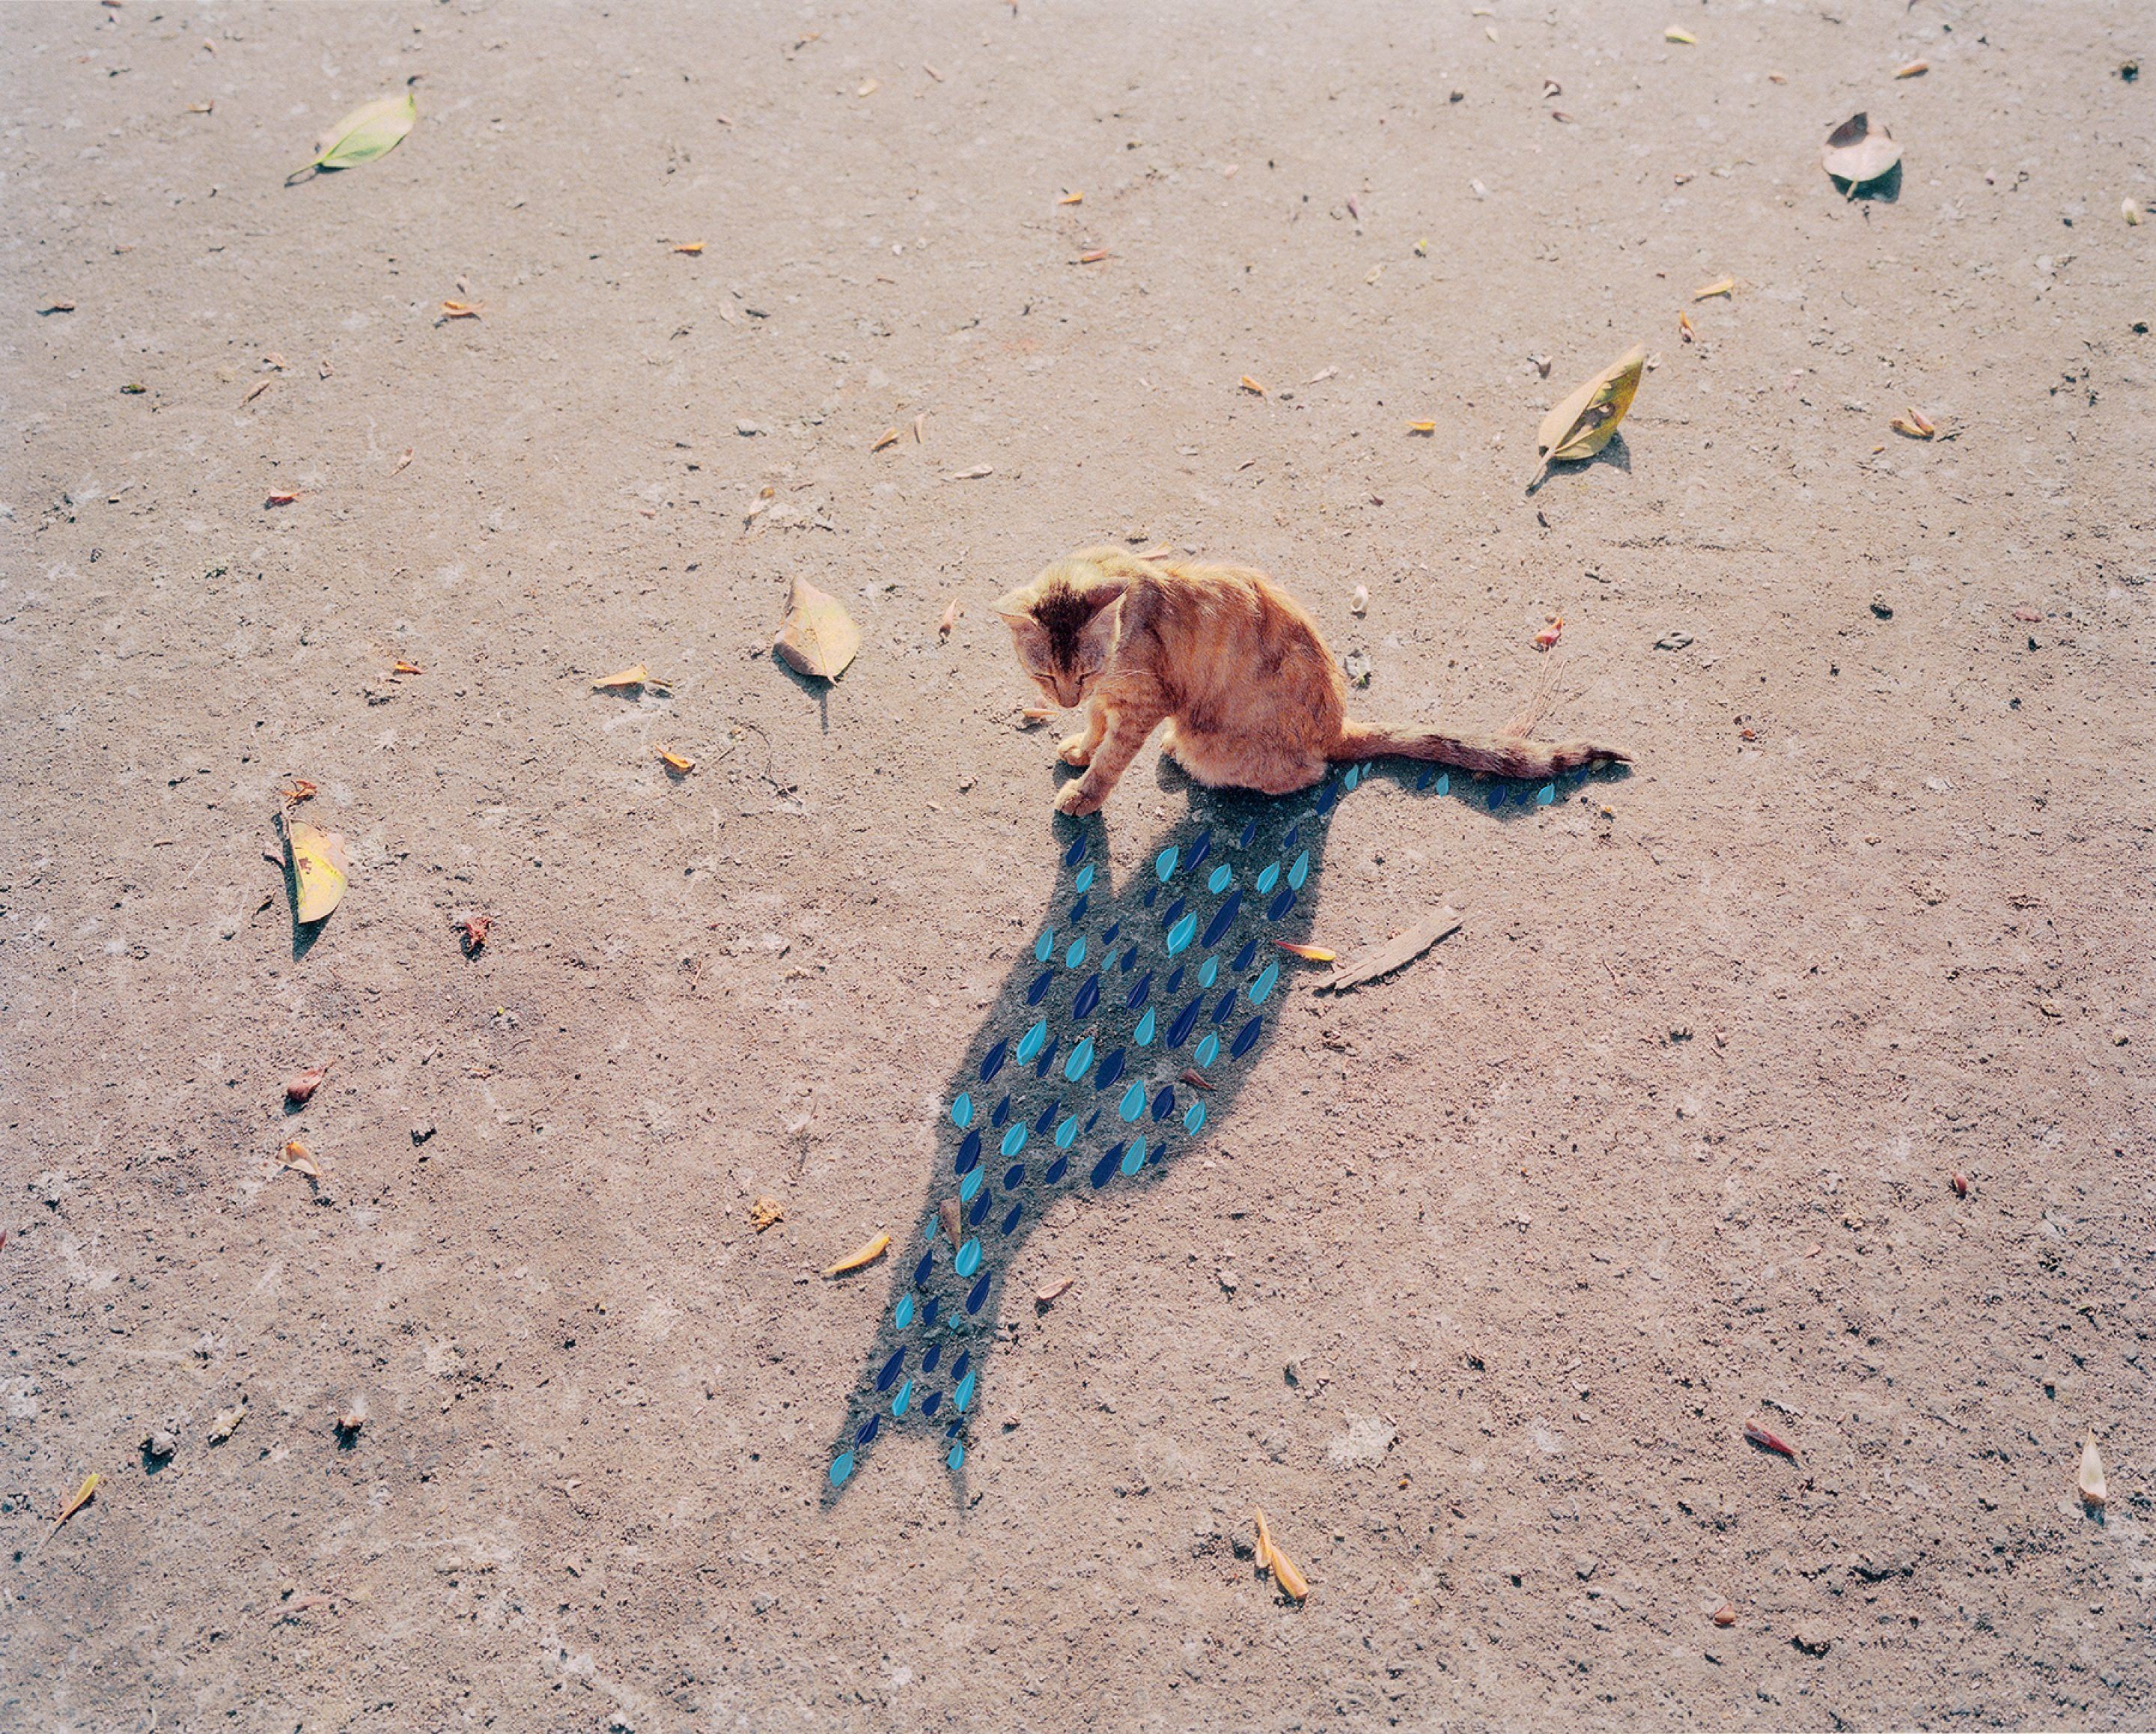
1581	426
370	131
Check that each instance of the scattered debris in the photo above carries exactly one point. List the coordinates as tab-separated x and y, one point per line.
473	933
1674	640
1400	950
351	1417
301	1085
1684	327
689	247
1094	257
818	638
463	310
1882	608
860	1257
1290	1581
2131	212
948	1220
2089	1478
765	1213
225	1424
1357	666
1811	1641
1425	430
949	619
160	1444
888	437
1071	198
979	472
1857	152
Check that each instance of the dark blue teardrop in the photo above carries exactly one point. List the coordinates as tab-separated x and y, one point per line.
1326	795
1227	1005
959	1367
1288	842
1174	981
1279	905
1179	1031
1496	797
888	1376
1056	1170
1111	1068
930	1403
1076	853
1198	850
1140	991
921	1271
1104	1169
1244	1036
1013	1176
1002	1113
1089	996
929	1360
976	1295
1152	892
980	1209
1078	910
867	1431
969	1152
1243	958
1093	1121
1163	1105
991	1062
1048	1116
1425	780
1041	984
1250	834
1224	918
928	1319
1047	1058
1109	937
1174	909
1011	1222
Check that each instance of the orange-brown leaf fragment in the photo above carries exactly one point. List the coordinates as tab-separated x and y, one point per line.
675	762
1311	954
950	618
1685	329
1422	427
1914	69
1072	199
888	437
1271	1558
301	1085
301	790
82	1496
282	499
403	667
764	1213
296	1155
1725	1615
689	246
638	676
1195	1079
1726	286
1251	386
1094	257
462	310
1550	633
860	1256
1054	1291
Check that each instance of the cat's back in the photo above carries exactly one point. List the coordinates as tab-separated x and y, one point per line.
1206	602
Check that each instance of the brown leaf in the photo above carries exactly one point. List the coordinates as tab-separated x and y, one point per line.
1914	69
764	1213
463	310
256	390
1054	1292
818	638
283	499
1768	1441
888	437
473	933
1093	257
1314	954
300	1085
1857	151
1382	960
950	618
1195	1079
689	246
1251	386
949	1220
675	762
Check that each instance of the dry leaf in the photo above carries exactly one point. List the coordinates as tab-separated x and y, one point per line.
1271	1559
1314	954
1422	427
1914	69
859	1256
1725	1615
920	422
1720	286
1778	78
201	108
949	620
2089	1478
88	1492
1550	633
1093	257
1072	199
888	437
1405	948
372	129
282	499
1857	151
296	1155
301	1085
818	638
638	676
1195	1079
462	310
1054	1291
402	461
1684	327
1251	386
1033	714
2131	212
473	933
256	390
948	1220
225	1424
976	474
1359	602
1912	423
1675	33
689	246
675	762
764	1213
1581	425
867	87
320	870
1768	1441
1320	376
301	790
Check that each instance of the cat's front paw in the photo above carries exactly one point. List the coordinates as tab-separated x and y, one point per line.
1074	751
1078	799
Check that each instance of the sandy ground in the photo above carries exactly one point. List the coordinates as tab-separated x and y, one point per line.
1658	1144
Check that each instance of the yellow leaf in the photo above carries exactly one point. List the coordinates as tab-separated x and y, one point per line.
370	131
1422	427
2090	1480
1914	69
296	1155
638	676
765	1213
689	246
1581	425
1720	286
88	1492
1072	199
1251	386
1684	326
1676	34
675	762
1283	1568
1314	954
859	1256
818	638
320	870
888	437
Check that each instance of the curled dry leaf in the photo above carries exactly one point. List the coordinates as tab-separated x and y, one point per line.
402	461
888	437
1251	386
1912	424
320	870
1071	198
1914	69
1550	633
352	1415
372	129
402	667
630	678
675	762
1423	428
301	790
1677	34
1291	1582
819	637
225	1424
948	619
765	1213
860	1256
473	933
256	390
301	1086
296	1155
1582	423
2089	1478
1684	328
463	310
1725	1615
979	472
691	248
1857	152
284	497
1195	1079
1054	1292
1720	286
948	1220
82	1496
1310	954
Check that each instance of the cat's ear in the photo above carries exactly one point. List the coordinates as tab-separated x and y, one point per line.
1105	594
1096	638
1015	607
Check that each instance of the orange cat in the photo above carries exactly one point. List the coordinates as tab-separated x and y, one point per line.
1252	697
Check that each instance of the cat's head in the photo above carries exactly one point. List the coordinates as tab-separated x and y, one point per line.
1064	624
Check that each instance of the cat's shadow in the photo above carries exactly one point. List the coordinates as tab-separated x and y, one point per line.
1122	1036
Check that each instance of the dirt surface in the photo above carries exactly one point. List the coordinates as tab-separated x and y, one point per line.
1658	1144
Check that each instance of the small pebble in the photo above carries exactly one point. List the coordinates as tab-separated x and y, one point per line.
161	1445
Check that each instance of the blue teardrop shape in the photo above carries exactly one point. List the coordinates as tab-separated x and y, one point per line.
867	1431
961	1111
1152	892
1174	981
1047	1116
1013	1175
959	1366
970	1185
928	1360
1084	882
842	1466
1245	958
1089	996
1223	917
1546	794
968	1259
1180	934
1250	834
1134	1157
1200	848
1092	1120
974	1296
1076	955
963	1392
1076	853
928	1318
1041	984
1078	910
1056	1170
1109	937
1044	945
1163	1105
1299	871
1219	881
1111	1068
1268	878
1325	797
1353	777
1014	1138
1444	783
1244	1036
979	1210
1227	1005
1164	865
1175	909
1207	1049
956	1459
1029	1043
898	1403
969	1152
1129	1108
1279	905
1141	990
1193	1118
991	1062
1209	972
1265	984
1047	1059
1002	1114
904	1315
1185	1021
1082	1056
1288	842
888	1375
1104	1170
1423	781
1496	797
921	1271
1011	1222
1143	1035
930	1403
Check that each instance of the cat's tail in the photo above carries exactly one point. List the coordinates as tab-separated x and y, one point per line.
1500	755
